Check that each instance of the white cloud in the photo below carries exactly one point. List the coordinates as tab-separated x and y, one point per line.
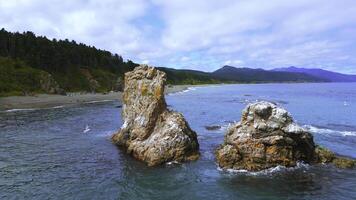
200	34
145	61
105	24
184	58
236	63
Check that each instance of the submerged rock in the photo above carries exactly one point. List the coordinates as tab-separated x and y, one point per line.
323	155
212	127
151	132
265	137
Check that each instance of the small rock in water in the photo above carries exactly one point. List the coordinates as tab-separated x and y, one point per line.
150	131
324	155
212	128
266	137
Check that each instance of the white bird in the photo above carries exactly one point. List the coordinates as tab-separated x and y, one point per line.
87	129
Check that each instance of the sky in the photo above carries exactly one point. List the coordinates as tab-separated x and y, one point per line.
200	34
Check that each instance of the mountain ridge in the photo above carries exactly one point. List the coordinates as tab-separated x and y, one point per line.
330	76
261	76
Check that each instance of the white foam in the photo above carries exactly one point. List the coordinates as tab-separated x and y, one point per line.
99	101
314	129
19	110
224	127
107	134
183	91
269	171
172	162
31	109
55	107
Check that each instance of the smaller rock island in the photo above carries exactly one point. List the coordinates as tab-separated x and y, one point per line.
150	131
266	137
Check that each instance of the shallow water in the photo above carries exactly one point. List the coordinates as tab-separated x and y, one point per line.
66	153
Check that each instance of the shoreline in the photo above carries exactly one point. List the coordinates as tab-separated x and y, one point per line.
52	100
40	101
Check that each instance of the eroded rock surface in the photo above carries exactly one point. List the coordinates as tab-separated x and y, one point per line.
265	137
151	132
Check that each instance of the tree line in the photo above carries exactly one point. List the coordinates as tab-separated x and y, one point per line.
59	56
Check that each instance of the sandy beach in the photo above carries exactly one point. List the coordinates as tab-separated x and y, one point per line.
47	101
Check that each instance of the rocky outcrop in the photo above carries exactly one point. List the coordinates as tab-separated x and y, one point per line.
49	85
150	131
265	137
94	85
323	155
119	85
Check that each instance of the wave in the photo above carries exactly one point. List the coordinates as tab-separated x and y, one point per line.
98	101
183	91
19	110
29	109
314	129
172	163
55	107
269	171
106	134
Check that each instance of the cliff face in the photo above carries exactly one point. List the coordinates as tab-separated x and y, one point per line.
151	132
265	137
49	85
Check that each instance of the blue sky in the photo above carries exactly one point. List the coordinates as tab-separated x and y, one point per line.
200	34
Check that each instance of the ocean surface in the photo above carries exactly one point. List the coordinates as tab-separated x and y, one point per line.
66	152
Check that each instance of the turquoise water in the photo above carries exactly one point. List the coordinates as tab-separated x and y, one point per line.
66	153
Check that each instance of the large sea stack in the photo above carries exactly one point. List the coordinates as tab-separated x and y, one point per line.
150	131
265	137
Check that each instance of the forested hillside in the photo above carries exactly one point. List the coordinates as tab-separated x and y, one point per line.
32	64
70	66
75	67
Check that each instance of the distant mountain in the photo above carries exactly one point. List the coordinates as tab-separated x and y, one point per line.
249	75
320	73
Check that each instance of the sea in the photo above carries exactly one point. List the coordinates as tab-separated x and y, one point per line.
65	152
